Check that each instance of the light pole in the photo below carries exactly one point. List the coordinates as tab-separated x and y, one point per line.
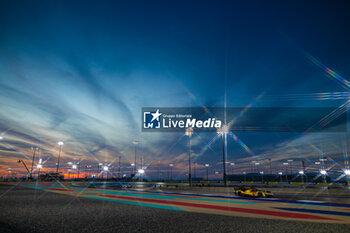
189	132
119	167
69	169
135	161
171	171
74	167
323	160
245	174
304	170
194	170
262	177
256	167
98	168
105	170
253	168
87	170
133	169
318	164
302	175
79	169
280	173
324	174
59	155
290	161
286	164
207	166
31	170
39	166
9	171
223	132
232	164
270	166
158	170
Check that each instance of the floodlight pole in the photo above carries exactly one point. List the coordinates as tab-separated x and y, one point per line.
119	167
31	170
59	156
224	160
78	168
171	171
189	132
158	170
189	161
98	170
207	166
194	170
135	160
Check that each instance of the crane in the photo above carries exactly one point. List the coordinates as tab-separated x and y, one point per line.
24	164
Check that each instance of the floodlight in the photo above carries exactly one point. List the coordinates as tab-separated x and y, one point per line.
347	172
189	131
323	172
141	171
223	130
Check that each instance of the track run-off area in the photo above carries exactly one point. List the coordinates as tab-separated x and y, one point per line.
309	211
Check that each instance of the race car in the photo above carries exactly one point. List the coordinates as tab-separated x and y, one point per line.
252	192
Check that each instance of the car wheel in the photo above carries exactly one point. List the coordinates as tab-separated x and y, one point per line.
260	195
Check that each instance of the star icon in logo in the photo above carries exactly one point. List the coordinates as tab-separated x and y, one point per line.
156	115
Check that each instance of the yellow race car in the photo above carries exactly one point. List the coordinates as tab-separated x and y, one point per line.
252	192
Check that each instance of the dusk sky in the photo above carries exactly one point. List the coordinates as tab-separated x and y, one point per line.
80	72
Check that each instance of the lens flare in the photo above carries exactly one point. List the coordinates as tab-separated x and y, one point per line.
242	144
331	116
209	144
331	74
